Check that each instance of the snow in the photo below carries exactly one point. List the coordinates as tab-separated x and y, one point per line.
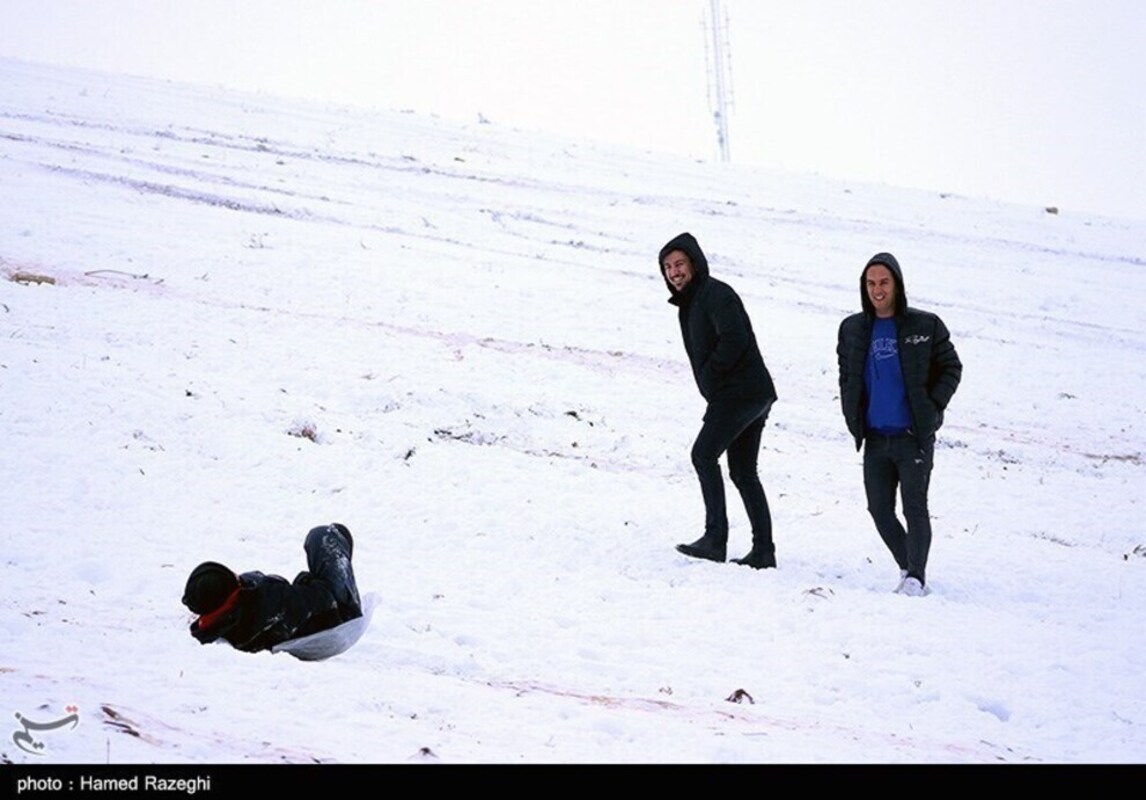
269	315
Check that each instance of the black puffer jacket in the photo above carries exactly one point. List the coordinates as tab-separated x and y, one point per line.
931	367
718	337
267	610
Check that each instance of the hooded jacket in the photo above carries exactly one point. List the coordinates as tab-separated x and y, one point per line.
718	337
931	367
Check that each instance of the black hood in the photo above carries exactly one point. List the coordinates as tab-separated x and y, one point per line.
208	587
887	260
688	245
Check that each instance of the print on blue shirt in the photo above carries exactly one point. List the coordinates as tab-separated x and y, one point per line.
887	409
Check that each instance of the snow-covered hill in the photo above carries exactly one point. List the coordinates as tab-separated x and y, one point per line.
228	318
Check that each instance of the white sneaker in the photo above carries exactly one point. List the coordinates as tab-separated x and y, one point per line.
902	578
912	588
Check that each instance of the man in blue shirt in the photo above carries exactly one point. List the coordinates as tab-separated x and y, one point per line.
898	372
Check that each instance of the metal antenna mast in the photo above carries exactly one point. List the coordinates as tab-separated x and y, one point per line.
718	54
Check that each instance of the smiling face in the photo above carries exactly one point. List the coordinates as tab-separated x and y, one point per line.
880	285
678	269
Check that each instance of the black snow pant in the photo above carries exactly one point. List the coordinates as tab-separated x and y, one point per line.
891	462
328	553
733	427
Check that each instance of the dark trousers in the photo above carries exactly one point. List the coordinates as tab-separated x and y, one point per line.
328	552
735	428
891	462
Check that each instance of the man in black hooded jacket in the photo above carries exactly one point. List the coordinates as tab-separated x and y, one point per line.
733	379
898	372
255	612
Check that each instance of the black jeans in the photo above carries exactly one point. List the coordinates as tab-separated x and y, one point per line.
898	461
733	427
328	552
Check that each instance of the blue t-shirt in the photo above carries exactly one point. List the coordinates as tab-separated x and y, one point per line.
887	409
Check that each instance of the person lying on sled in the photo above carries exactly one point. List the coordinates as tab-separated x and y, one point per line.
254	612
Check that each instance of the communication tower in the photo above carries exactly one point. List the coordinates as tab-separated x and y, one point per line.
718	55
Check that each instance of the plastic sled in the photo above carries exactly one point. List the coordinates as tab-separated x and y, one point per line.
331	642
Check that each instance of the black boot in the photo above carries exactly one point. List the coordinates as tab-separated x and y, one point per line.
705	547
758	558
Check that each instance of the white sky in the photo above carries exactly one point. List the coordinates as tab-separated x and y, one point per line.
1031	100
